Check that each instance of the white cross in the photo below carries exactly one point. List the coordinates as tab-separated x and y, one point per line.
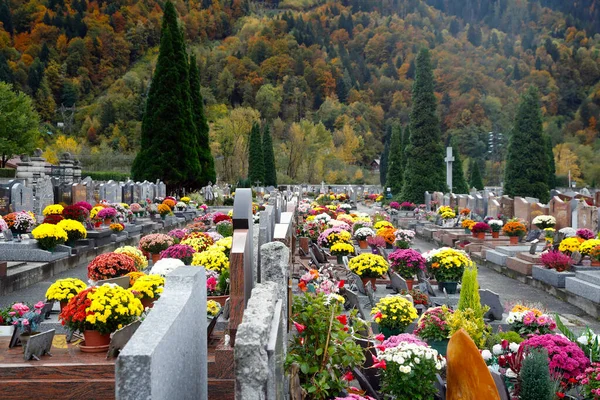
449	159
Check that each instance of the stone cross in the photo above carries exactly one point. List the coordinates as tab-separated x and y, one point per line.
449	160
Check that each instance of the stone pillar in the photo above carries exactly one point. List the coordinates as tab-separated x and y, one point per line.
66	162
275	258
76	171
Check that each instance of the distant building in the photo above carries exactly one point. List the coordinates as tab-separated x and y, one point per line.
375	165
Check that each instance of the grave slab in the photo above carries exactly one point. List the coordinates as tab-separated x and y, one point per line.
551	276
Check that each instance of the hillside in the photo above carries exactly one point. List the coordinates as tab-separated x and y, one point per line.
330	77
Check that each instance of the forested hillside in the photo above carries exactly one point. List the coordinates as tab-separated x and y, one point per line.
330	77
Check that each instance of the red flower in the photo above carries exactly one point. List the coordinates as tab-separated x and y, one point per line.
560	395
302	286
380	364
505	344
348	376
380	337
299	327
572	380
380	347
343	319
345	328
341	284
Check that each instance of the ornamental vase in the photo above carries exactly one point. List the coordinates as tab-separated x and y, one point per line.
107	221
370	281
450	287
514	240
340	259
495	235
467	231
93	338
440	345
410	283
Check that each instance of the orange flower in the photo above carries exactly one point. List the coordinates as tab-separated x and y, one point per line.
302	286
435	265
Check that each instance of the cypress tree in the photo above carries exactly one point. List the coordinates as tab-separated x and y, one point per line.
383	161
6	17
526	172
269	157
395	171
168	146
459	183
425	169
205	158
475	180
256	166
405	140
551	164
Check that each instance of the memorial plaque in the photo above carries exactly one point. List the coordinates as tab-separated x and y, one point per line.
79	193
127	192
65	193
120	338
39	345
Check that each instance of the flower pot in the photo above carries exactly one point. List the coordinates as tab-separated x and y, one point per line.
481	235
401	244
410	283
474	234
363	244
155	258
148	302
374	250
370	281
94	338
219	299
388	332
107	221
467	231
163	217
514	240
17	232
495	235
339	259
440	345
304	241
449	286
595	264
63	304
6	330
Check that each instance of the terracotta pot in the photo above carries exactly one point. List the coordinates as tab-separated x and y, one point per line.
514	240
595	264
155	258
410	283
363	244
219	299
495	235
147	302
370	281
94	338
107	221
63	304
481	235
474	234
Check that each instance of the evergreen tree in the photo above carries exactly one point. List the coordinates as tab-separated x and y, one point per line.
526	171
394	178
256	166
474	35
383	161
475	180
425	170
6	17
536	383
35	76
516	72
168	142
207	163
551	163
538	63
5	71
459	183
405	140
269	157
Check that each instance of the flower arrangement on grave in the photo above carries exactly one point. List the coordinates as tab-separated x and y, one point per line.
418	296
393	314
152	209
139	260
407	262
586	247
155	243
388	234
212	308
53	219
410	371
595	254
223	245
331	236
136	208
182	252
180	206
465	211
496	225
107	213
212	259
527	323
445	210
334	223
74	229
407	206
481	227
134	276
342	249
196	227
148	287
368	265
433	325
177	235
20	222
568	232
200	241
26	319
48	236
185	199
169	202
166	265
556	260
65	289
324	347
225	228
94	213
395	205
375	242
320	281
56	209
585	234
472	322
105	309
84	204
467	224
363	233
570	245
566	358
117	227
589	381
3	225
76	213
354	396
218	217
404	237
514	229
382	224
163	210
322	218
446	264
110	265
544	221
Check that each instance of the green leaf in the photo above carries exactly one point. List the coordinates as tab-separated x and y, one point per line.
319	351
304	368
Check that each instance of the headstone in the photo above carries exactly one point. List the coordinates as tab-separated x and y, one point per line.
354	301
355	281
398	283
587	216
147	192
462	201
21	197
65	193
493	208
44	195
447	199
561	212
427	201
161	189
507	207
5	199
597	199
79	193
137	193
127	192
110	192
480	206
438	197
471	204
120	338
523	210
453	200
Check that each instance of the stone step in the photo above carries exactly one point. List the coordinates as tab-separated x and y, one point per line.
518	265
532	258
512	251
496	257
583	289
589	276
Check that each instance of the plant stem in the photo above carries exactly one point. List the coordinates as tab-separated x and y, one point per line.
328	336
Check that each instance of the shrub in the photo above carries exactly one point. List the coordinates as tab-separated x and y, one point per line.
556	260
535	376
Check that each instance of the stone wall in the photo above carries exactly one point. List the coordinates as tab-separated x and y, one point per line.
167	356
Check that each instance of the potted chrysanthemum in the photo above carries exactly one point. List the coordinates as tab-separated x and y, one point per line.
369	267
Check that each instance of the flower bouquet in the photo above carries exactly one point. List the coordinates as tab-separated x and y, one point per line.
447	266
393	314
26	319
395	205
433	328
212	308
49	236
496	226
320	281
223	245
103	309
180	206
56	209
140	261
84	204
110	265
219	216
117	227
76	213
595	254
212	259
465	211
64	290
136	209
3	225
404	238
155	243
53	219
544	221
406	262
20	222
148	288
331	236
586	247
388	234
527	323
566	358
382	224
200	241
342	249
170	202
467	224
407	206
182	252
362	234
556	260
369	267
164	210
107	214
514	230
480	229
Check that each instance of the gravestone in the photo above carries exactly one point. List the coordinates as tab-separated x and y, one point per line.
137	193
21	197
493	208
587	216
110	192
427	201
507	207
453	200
438	197
597	199
39	345
354	301
4	199
127	192
161	189
44	195
447	199
147	191
398	283
462	201
65	193
79	193
539	209
471	204
480	207
355	281
574	204
492	300
523	210
561	212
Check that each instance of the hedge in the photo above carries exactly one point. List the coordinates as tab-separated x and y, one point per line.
7	172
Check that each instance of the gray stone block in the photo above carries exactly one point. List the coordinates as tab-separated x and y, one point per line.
496	257
29	251
583	289
512	251
167	356
551	276
275	259
592	277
